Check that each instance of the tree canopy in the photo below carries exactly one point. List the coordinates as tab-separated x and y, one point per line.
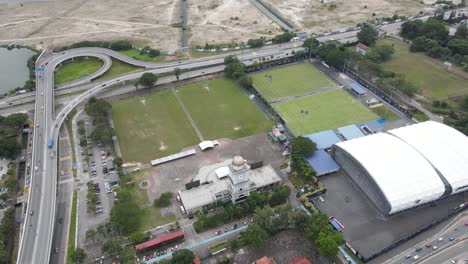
182	256
367	35
303	146
78	256
164	199
148	79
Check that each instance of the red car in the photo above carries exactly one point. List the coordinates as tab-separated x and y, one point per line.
219	232
428	245
466	223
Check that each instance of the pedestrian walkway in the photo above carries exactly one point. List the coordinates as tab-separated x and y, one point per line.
189	117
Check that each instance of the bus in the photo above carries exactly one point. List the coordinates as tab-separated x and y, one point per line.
51	143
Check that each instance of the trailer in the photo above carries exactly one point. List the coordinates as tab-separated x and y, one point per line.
336	224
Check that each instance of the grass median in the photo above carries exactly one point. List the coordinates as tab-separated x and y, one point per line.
72	229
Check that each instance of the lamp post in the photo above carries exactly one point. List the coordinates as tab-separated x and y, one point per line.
303	113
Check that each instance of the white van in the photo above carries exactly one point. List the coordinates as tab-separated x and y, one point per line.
182	209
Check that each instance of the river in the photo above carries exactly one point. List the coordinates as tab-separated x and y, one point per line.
14	71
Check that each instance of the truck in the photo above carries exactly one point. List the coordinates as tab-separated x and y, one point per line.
336	224
51	143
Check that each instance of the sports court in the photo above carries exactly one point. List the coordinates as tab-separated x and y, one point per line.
325	111
290	81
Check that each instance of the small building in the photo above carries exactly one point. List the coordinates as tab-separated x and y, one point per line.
448	65
325	139
357	89
350	132
230	181
110	165
361	48
113	179
208	145
300	260
264	260
322	163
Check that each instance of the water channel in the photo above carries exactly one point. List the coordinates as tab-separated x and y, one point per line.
14	71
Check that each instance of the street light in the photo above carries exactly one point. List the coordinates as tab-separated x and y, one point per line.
303	113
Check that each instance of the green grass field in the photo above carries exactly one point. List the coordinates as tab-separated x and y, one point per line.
432	80
134	53
328	110
290	81
118	68
220	109
152	126
385	113
77	69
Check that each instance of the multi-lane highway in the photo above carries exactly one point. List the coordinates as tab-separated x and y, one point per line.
37	232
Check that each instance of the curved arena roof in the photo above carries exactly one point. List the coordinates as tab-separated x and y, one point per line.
444	147
403	175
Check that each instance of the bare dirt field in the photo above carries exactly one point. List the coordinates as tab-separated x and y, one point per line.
144	22
314	16
63	22
223	21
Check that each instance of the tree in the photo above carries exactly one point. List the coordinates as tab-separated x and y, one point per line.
255	235
97	107
279	195
303	146
148	79
126	256
311	44
112	247
459	46
102	133
138	237
316	223
462	31
246	81
183	256
285	37
78	256
380	53
256	43
367	35
299	54
177	72
90	234
464	102
412	29
125	216
3	254
118	161
121	45
164	200
326	245
9	147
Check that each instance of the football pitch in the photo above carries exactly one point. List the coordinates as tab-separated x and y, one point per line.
151	126
291	80
221	110
329	110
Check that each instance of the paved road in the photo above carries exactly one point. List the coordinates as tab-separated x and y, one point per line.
458	252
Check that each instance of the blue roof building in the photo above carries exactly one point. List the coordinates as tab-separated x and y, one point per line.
325	139
350	132
322	163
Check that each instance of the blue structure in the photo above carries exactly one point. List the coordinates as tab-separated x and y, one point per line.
356	88
325	139
350	132
373	126
322	163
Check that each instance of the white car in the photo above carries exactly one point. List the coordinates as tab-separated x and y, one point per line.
440	239
416	257
435	247
159	227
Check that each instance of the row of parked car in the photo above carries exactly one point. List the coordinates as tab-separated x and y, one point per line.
92	185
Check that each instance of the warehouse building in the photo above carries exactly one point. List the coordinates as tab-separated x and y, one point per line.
407	167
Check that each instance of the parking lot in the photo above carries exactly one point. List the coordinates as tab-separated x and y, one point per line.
93	162
364	227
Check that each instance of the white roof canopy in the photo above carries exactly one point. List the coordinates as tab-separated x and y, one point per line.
404	176
443	146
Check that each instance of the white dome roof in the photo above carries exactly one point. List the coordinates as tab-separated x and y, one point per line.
238	161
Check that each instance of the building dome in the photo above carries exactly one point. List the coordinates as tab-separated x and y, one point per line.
238	161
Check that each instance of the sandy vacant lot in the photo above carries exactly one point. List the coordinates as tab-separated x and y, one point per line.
313	16
221	21
157	23
61	22
145	22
